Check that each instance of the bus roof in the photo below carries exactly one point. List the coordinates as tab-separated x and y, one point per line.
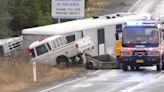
83	24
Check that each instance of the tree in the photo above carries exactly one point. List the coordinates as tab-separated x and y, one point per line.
5	18
29	13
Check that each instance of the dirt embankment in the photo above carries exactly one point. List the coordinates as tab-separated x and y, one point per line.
103	7
94	6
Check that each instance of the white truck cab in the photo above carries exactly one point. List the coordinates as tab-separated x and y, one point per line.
56	50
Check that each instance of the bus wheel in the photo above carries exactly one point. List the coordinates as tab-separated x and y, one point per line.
63	62
124	67
89	65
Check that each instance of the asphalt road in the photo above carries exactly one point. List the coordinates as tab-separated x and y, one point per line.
146	80
159	9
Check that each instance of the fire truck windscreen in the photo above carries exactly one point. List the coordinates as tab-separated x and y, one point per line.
140	35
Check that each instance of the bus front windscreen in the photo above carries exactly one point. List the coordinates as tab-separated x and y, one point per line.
147	36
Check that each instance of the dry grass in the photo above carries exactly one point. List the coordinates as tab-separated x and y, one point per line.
115	4
16	74
94	6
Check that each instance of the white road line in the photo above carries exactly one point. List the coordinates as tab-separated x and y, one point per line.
66	83
96	72
82	85
104	76
134	5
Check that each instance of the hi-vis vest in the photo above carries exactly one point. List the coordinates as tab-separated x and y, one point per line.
118	46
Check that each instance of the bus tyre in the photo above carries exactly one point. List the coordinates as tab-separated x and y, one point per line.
73	61
124	67
81	61
63	62
158	67
89	65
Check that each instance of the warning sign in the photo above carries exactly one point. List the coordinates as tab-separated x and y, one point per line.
68	9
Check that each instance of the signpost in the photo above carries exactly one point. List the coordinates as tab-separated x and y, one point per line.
68	9
34	71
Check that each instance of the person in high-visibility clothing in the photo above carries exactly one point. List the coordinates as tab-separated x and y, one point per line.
118	45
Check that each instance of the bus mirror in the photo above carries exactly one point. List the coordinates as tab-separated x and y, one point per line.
116	35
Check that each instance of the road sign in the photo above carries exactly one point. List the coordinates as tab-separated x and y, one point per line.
68	9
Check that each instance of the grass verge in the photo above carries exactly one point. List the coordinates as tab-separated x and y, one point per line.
16	74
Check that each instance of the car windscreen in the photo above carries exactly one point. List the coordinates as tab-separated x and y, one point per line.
147	36
41	50
1	50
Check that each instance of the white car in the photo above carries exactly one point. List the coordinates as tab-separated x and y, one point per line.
56	50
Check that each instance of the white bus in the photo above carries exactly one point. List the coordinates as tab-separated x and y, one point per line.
101	30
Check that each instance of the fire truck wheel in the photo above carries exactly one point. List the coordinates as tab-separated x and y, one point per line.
124	67
132	68
158	67
137	68
162	65
162	62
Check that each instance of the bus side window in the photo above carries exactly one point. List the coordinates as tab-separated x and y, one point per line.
64	40
61	40
70	38
41	49
57	43
48	45
54	43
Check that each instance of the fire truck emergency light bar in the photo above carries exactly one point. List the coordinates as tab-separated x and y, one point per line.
140	23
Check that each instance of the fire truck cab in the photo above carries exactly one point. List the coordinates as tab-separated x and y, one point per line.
142	45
